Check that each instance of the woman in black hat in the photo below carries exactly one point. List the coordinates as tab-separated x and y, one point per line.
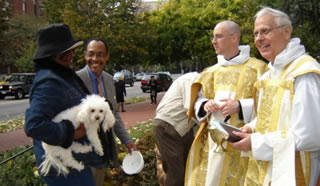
56	88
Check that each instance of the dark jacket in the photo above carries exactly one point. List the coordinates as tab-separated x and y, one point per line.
120	90
55	89
153	84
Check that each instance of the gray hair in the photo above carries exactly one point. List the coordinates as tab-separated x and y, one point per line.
280	17
233	27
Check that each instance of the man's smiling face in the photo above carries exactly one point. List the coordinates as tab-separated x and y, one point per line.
270	38
96	56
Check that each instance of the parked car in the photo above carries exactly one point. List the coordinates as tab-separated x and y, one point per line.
164	72
164	82
17	85
127	77
4	79
139	76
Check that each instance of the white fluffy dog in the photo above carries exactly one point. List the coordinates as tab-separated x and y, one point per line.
91	112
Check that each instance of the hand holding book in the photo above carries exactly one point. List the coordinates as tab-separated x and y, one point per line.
226	130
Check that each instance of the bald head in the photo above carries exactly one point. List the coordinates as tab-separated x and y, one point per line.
231	27
226	39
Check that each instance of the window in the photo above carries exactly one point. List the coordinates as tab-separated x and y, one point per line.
24	5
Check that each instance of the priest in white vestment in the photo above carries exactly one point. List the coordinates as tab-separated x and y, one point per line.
284	143
225	90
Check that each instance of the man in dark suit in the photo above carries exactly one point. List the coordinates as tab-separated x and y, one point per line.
100	82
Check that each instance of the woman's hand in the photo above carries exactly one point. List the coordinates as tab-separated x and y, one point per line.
80	132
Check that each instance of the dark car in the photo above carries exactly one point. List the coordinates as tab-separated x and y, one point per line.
17	85
126	76
164	82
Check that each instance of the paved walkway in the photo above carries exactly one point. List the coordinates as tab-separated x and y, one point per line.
135	114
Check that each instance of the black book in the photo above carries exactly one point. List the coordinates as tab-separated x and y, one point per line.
226	130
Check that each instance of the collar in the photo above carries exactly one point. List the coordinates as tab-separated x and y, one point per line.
292	51
93	75
241	58
234	56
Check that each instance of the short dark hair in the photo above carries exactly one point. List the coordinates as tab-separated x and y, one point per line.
97	39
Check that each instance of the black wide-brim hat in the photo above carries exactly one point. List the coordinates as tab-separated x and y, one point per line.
54	39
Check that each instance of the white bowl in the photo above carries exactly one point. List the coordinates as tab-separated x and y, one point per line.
133	163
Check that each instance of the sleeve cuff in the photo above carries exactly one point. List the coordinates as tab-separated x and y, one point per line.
247	109
69	133
261	147
202	112
128	141
240	111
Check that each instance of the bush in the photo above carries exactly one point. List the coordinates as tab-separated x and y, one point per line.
22	170
10	125
142	134
19	171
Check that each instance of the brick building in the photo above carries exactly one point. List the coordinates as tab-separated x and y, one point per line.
18	8
24	7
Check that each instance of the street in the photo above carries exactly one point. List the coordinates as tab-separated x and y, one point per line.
11	108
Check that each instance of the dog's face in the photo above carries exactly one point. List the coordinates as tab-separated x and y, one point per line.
96	113
94	109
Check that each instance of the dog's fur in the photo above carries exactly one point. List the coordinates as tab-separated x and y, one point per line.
91	112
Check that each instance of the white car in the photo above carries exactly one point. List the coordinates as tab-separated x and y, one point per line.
139	76
164	72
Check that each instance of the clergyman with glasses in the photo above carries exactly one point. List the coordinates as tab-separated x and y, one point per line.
223	92
285	140
100	82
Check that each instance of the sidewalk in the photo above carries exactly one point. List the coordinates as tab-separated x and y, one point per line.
135	114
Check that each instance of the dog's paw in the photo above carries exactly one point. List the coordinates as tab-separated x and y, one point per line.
99	151
80	148
79	166
87	148
84	149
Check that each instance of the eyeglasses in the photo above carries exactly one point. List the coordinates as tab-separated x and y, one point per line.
265	31
219	36
98	55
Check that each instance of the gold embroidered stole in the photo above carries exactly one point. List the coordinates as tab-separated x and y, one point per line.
272	94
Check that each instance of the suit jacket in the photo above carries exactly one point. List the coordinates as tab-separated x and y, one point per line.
118	128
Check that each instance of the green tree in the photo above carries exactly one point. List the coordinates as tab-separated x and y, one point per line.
19	41
170	35
184	28
179	33
116	21
54	10
4	13
305	15
25	62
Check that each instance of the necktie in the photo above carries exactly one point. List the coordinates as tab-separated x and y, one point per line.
100	90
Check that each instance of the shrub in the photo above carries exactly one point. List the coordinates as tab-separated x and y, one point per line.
19	171
142	134
22	170
10	125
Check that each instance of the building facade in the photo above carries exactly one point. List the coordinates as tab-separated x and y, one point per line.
24	7
20	8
